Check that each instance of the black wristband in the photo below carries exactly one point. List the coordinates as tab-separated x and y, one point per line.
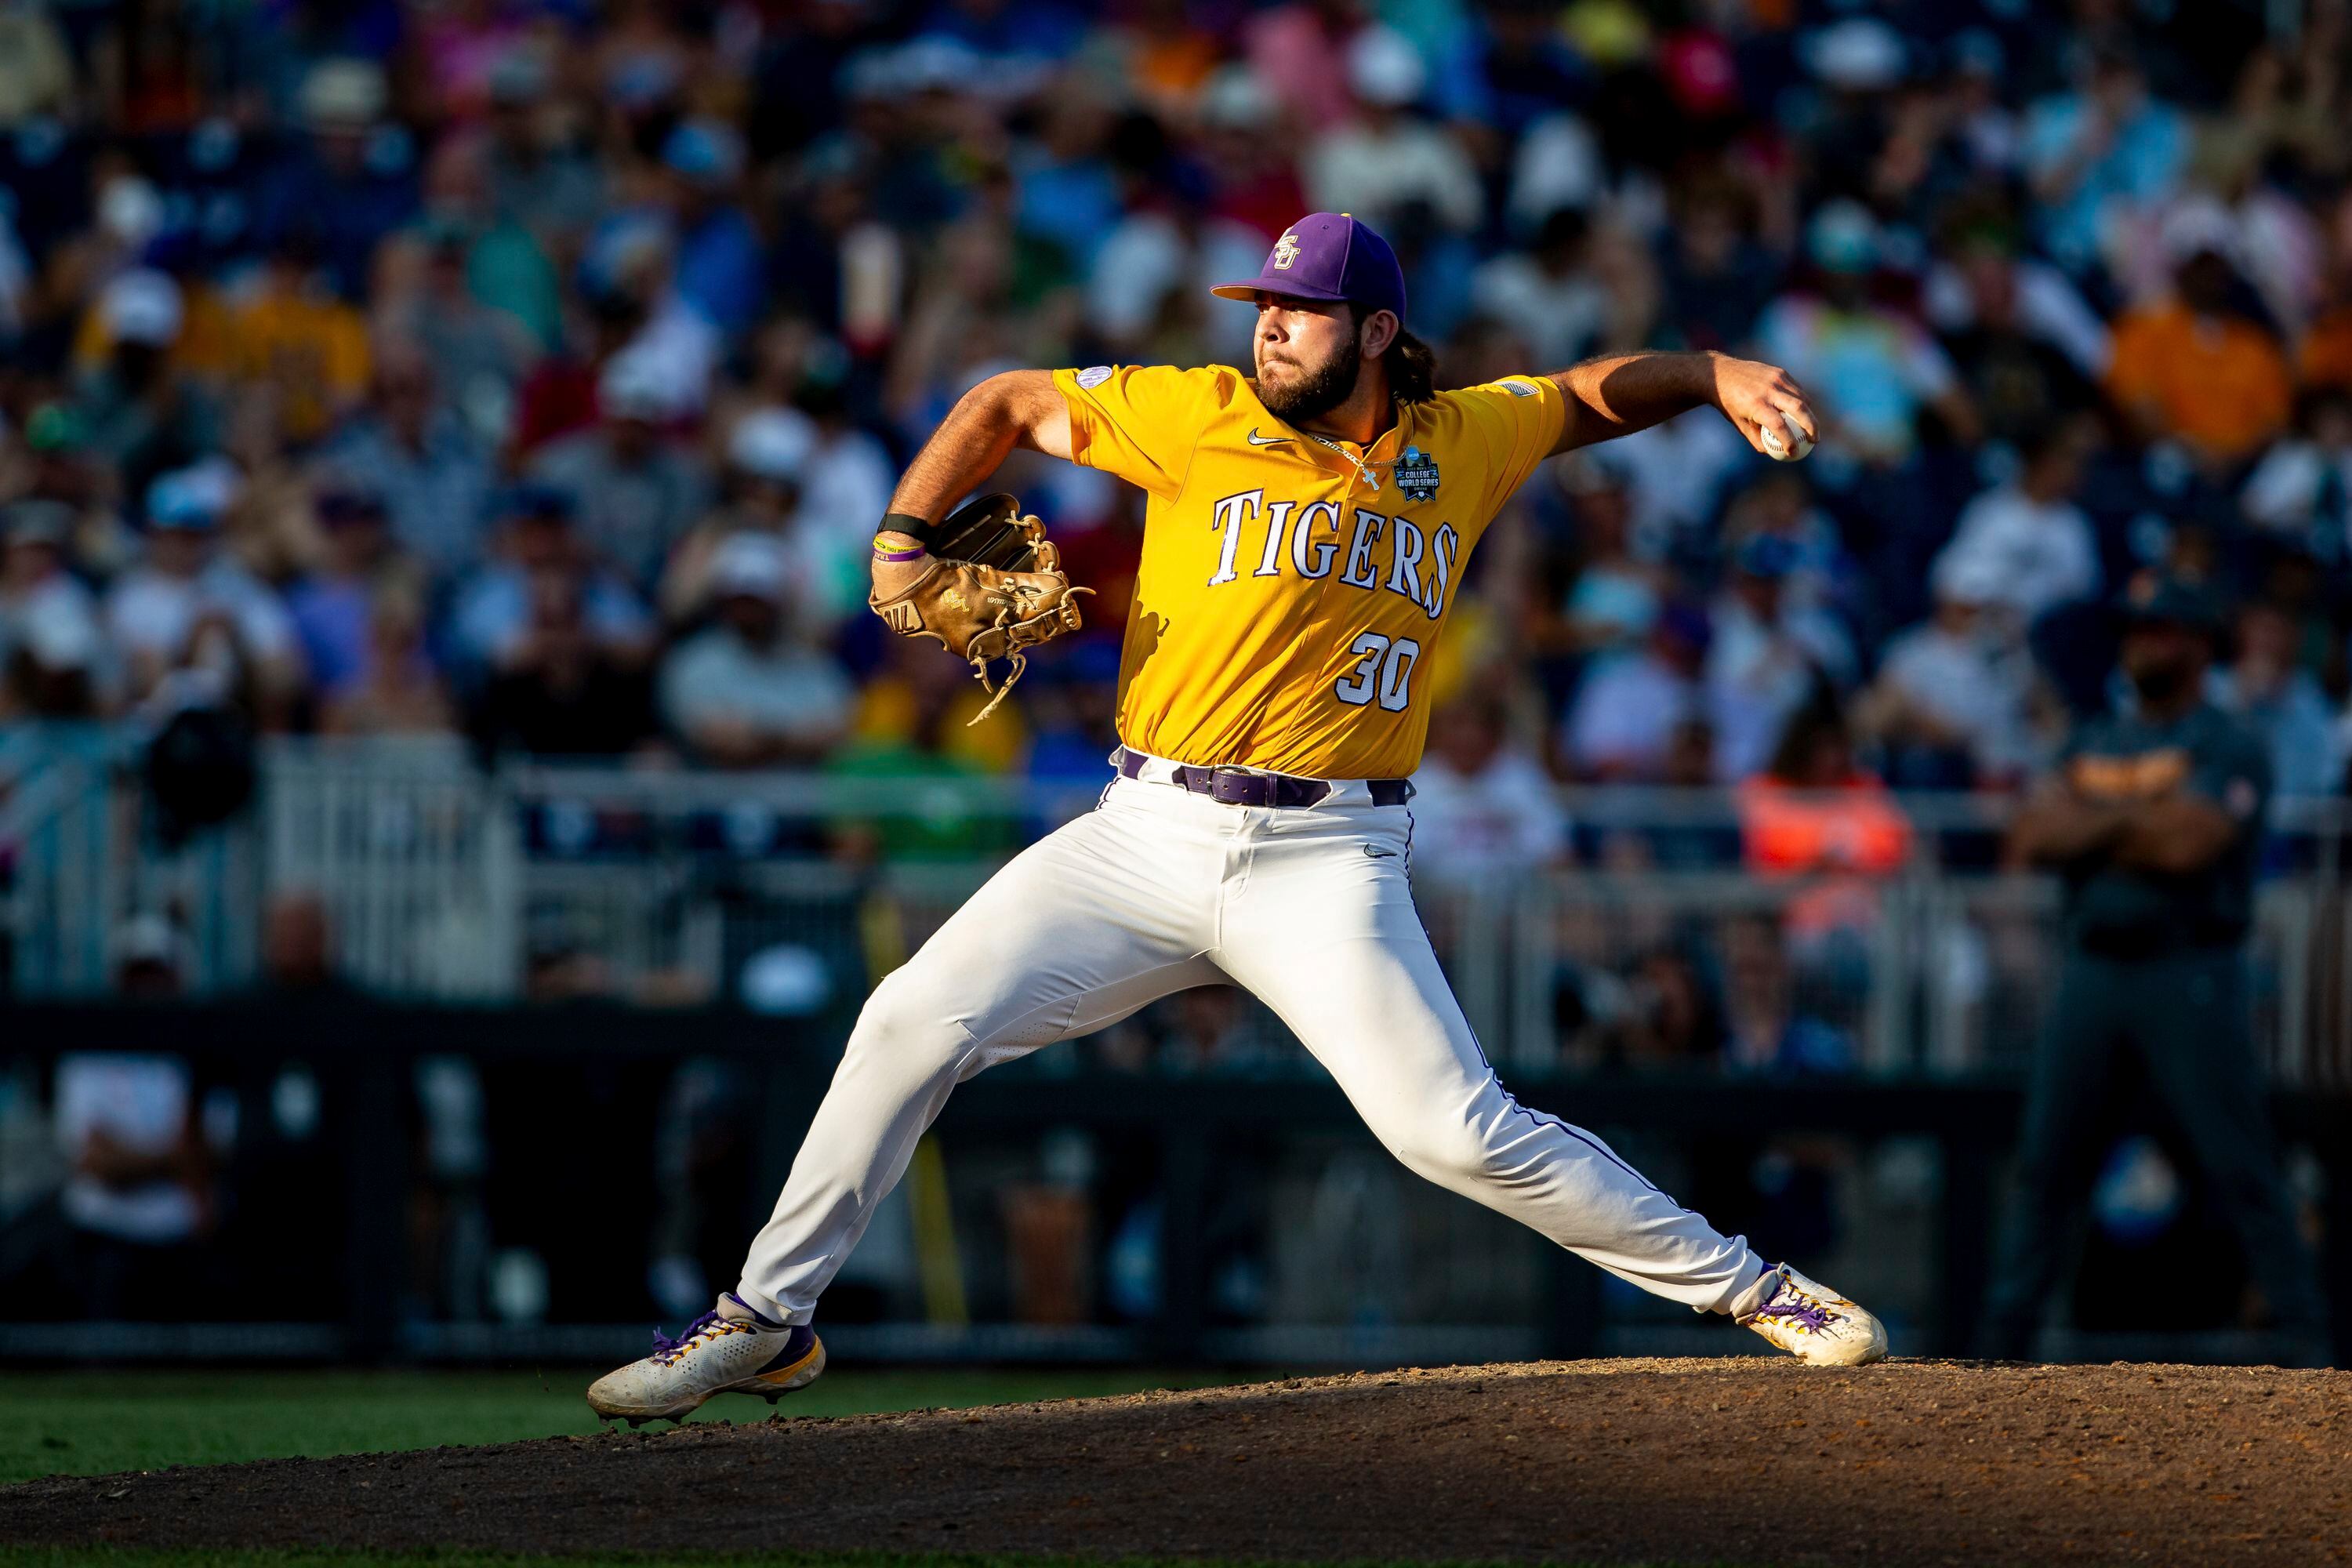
923	532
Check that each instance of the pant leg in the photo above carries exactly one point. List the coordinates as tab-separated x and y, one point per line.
2191	1025
1078	930
2067	1098
1323	929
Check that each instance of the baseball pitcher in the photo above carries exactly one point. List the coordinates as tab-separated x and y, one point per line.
1305	535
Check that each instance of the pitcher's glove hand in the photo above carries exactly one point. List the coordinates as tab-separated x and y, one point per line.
993	587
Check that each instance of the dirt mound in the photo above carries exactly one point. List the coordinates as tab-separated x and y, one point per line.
1743	1461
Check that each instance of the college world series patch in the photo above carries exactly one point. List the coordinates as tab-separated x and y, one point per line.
1416	475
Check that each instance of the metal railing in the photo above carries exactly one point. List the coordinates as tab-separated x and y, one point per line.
77	863
442	883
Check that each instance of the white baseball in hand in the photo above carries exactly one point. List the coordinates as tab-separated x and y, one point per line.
1784	447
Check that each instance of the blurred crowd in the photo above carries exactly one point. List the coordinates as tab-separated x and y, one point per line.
527	377
533	373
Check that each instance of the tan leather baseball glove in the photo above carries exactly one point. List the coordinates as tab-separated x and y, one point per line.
993	588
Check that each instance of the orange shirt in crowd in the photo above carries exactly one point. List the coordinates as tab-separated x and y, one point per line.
2325	359
1847	834
2221	385
1853	827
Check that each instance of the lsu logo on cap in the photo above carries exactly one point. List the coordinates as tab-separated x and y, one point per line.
1286	251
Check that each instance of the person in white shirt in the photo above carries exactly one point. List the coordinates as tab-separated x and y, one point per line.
1483	807
1547	295
1769	656
1950	701
1678	472
190	609
2302	489
2037	546
748	692
1622	723
129	1127
52	651
1386	159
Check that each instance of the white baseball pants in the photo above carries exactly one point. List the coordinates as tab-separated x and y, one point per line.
1155	892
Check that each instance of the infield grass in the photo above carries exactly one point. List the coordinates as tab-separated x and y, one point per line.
99	1423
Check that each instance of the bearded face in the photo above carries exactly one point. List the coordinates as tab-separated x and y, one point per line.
1307	357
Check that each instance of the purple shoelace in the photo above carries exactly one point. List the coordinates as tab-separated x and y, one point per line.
665	1346
1800	1308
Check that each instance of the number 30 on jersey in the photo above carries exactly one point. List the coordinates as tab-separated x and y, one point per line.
1384	671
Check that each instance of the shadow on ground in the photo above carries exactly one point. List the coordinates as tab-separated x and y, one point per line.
1740	1460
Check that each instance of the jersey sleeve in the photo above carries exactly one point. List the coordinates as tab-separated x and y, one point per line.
1517	421
1137	423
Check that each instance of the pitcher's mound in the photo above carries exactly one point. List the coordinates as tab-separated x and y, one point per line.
1742	1461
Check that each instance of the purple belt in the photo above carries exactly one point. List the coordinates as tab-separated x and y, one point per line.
1237	786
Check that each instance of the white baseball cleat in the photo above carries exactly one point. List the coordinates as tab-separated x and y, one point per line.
729	1350
1811	1322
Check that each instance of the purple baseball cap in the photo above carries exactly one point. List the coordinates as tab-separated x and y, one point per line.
1327	256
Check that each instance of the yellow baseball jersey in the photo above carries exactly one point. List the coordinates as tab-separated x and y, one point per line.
1292	587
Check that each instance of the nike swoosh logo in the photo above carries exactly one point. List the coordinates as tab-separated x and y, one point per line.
1257	440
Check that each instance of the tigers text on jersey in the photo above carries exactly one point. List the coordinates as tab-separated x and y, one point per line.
1291	586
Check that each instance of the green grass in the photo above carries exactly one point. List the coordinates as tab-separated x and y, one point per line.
84	1423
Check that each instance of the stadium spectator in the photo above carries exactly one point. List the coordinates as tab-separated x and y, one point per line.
1769	656
2302	488
1546	295
1384	160
719	261
1717	278
2195	367
913	723
1948	708
2026	542
1765	1029
332	604
347	185
1814	811
759	485
1483	808
2027	346
294	343
398	689
140	1191
419	457
634	490
1822	577
2265	687
1872	372
190	622
52	646
557	689
478	353
1678	474
491	613
1615	597
2106	146
748	692
1629	706
136	410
